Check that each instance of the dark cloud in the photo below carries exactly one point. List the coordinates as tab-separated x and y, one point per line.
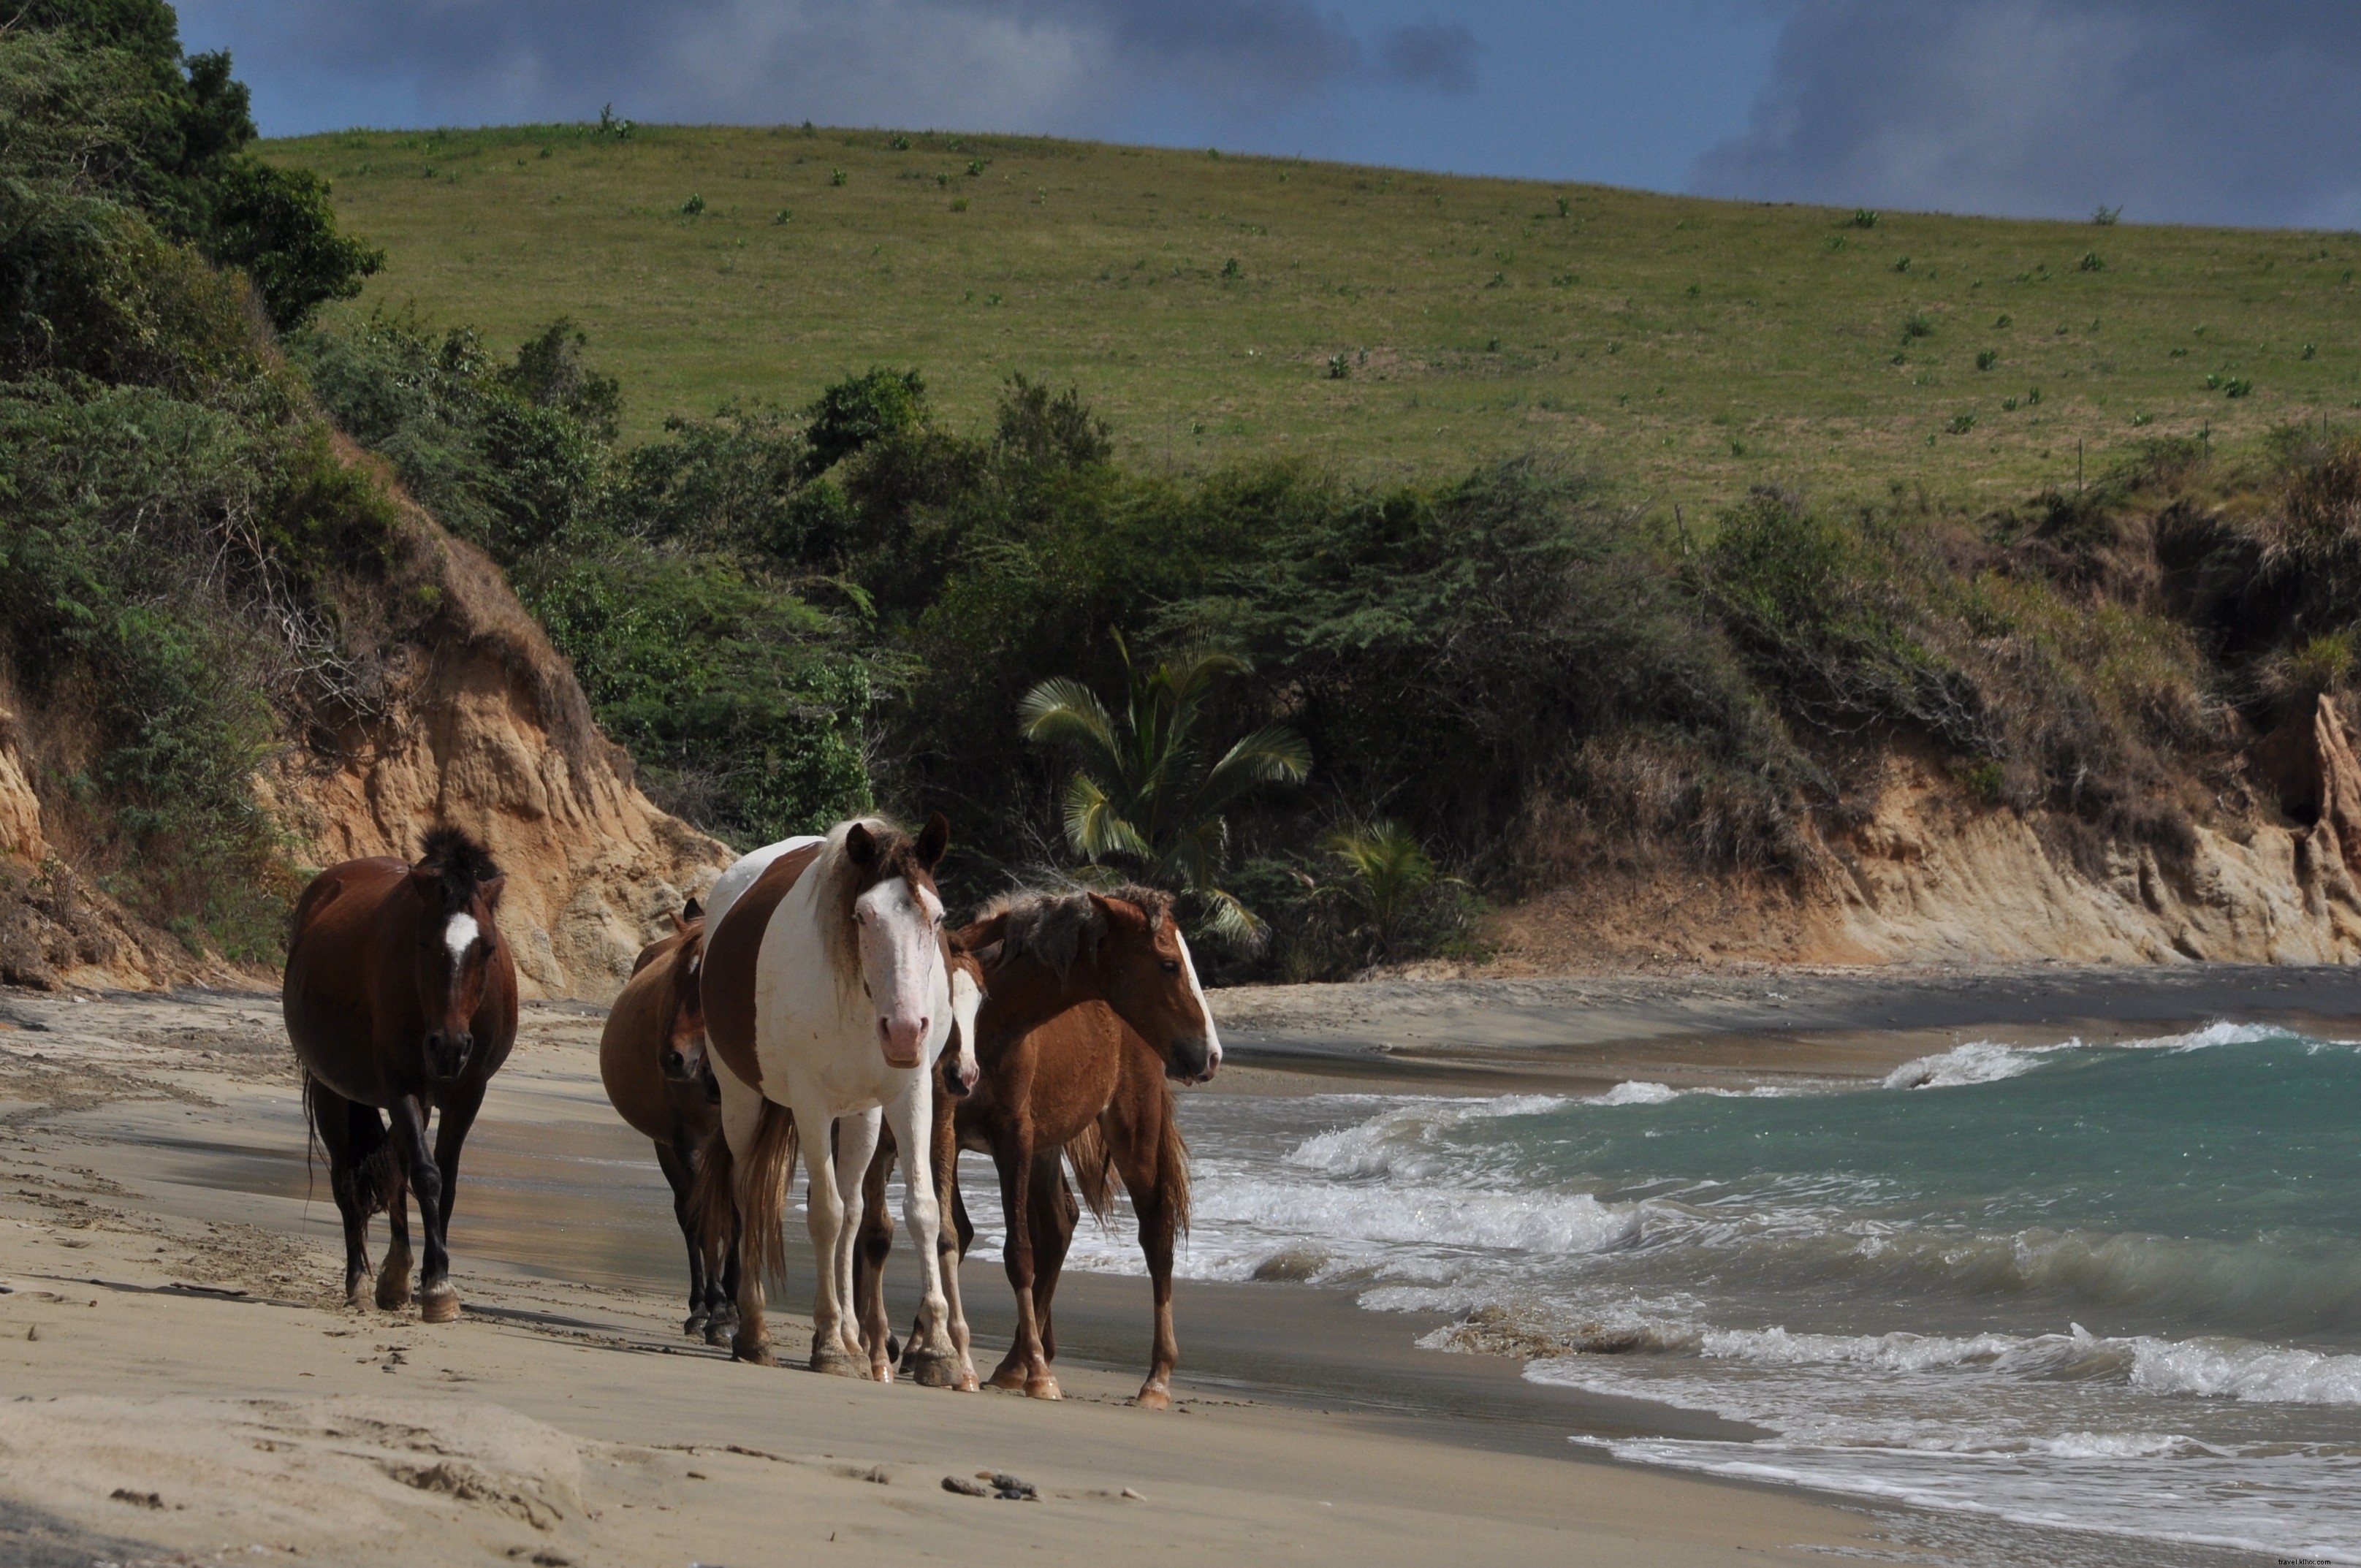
2194	111
1441	56
1054	65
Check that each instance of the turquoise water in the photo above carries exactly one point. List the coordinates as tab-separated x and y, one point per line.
2114	1288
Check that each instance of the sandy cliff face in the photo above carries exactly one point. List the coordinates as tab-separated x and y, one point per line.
1934	878
487	730
481	725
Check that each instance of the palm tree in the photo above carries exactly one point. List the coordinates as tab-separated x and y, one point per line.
1389	875
1144	795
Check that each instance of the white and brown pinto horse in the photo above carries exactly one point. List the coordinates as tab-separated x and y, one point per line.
827	998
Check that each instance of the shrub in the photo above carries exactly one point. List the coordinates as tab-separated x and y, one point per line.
1864	218
694	207
1987	358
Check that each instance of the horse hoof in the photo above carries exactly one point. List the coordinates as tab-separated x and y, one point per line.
1043	1388
356	1292
1154	1398
695	1324
392	1292
933	1369
756	1354
832	1360
719	1333
438	1303
1009	1378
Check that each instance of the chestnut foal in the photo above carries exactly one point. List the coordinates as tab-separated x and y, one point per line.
1091	1005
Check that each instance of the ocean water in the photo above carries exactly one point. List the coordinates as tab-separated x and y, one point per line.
2111	1288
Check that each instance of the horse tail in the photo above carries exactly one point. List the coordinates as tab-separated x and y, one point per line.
756	1196
1172	1165
1094	1165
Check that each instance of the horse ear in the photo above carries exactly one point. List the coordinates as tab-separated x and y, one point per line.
489	892
861	845
933	840
427	884
678	925
692	911
983	933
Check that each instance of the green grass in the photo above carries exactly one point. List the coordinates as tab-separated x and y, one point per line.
1688	349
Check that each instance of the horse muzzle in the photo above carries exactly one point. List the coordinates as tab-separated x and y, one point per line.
1192	1059
903	1041
447	1053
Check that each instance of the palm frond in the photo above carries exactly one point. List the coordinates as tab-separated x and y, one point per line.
1095	828
1063	709
1231	921
1273	754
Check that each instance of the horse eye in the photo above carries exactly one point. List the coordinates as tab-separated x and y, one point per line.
1169	966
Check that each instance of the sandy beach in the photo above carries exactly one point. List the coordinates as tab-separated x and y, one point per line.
185	1385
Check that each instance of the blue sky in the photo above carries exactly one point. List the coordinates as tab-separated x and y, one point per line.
2207	111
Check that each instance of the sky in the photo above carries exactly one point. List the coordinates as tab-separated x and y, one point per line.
2244	111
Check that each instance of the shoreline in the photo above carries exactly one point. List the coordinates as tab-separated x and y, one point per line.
1271	1356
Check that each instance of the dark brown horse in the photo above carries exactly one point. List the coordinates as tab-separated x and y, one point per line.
1091	1005
399	996
652	1059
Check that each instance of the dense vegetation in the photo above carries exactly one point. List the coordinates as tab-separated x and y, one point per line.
1334	709
172	524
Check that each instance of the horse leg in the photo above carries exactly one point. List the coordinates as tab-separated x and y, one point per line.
824	1214
951	1240
875	1243
409	1114
1054	1218
857	1140
438	1302
678	1159
933	1360
393	1280
722	1319
1139	1163
332	1117
1024	1366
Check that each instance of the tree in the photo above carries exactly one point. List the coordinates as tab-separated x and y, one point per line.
1388	878
276	224
861	410
1144	795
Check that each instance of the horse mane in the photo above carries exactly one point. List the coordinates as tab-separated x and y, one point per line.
462	865
1057	925
841	882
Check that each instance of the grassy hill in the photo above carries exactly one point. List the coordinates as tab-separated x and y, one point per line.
1215	307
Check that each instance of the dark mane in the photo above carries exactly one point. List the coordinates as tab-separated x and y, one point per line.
463	864
1057	925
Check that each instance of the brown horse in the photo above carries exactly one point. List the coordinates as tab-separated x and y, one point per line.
652	1059
400	995
1091	1005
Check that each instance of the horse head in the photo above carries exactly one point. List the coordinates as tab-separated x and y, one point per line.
684	1050
966	1000
1151	981
897	927
1050	950
458	889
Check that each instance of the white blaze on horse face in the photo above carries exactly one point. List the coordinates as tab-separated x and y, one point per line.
1213	1034
967	997
900	952
459	936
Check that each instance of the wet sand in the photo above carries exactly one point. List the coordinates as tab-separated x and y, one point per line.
158	1151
